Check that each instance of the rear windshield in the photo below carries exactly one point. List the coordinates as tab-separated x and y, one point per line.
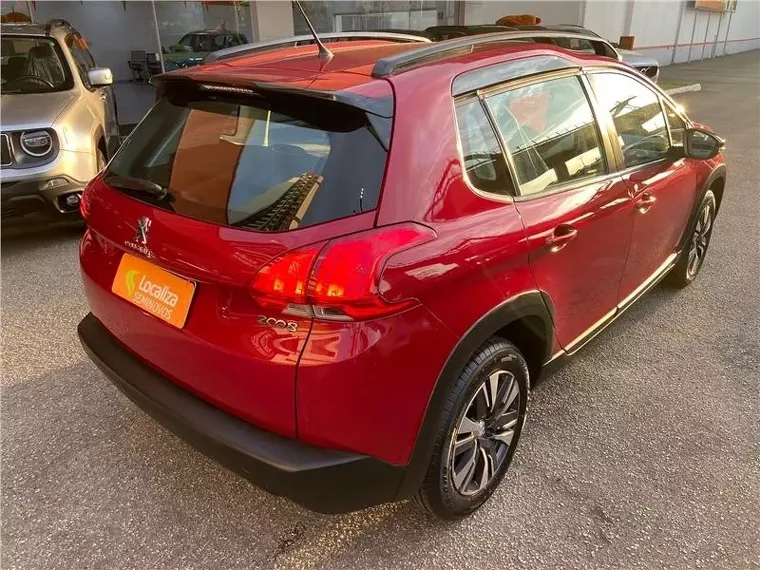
255	163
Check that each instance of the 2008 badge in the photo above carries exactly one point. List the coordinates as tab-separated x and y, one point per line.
291	326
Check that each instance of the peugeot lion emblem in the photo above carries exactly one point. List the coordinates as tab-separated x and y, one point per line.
143	225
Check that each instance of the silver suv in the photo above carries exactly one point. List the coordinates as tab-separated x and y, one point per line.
59	122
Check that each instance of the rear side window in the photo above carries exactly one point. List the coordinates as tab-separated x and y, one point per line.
258	164
550	133
484	163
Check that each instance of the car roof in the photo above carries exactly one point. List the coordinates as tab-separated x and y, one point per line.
212	32
53	28
352	65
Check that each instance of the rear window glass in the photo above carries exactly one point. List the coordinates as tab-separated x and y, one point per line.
258	164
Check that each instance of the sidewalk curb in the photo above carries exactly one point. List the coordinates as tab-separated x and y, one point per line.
685	89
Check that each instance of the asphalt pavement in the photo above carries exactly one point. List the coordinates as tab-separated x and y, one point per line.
643	452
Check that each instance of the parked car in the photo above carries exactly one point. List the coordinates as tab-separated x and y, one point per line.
342	280
645	64
59	122
193	47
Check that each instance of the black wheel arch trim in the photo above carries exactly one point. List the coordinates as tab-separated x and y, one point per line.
528	304
719	172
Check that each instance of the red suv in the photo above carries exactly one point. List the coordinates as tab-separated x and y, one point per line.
339	276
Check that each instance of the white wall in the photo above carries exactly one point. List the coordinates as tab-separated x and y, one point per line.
654	24
608	19
112	31
488	11
271	20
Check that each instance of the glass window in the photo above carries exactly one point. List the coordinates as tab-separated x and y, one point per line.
637	114
676	125
264	165
32	65
484	162
550	133
78	47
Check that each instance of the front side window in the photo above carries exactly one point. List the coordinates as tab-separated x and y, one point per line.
33	64
550	133
637	114
676	125
85	62
484	162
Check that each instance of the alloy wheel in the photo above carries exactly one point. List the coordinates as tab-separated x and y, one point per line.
699	241
481	441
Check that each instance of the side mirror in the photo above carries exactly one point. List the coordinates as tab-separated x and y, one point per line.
701	144
100	76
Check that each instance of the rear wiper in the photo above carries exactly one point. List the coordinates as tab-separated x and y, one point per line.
139	185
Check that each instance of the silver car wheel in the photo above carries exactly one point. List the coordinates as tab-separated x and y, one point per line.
481	440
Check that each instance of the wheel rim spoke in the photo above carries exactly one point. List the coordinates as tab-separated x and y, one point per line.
505	436
706	220
506	421
508	392
486	472
467	426
693	259
464	475
462	445
492	389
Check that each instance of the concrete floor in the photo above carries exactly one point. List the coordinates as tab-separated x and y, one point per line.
642	453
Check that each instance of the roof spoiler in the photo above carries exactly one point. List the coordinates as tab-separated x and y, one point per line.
379	106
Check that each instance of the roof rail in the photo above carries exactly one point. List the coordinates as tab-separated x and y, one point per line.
307	39
408	59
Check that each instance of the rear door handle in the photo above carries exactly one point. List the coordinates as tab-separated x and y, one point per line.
561	236
644	202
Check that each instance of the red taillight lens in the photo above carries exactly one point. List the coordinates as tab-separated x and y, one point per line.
345	275
285	279
342	282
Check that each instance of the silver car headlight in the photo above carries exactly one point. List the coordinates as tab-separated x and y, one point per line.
36	143
27	149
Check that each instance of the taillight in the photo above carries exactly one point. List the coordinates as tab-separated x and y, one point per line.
338	281
284	280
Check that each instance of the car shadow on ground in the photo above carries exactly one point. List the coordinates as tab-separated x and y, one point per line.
83	430
19	240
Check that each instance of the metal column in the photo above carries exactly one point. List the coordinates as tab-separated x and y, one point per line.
707	31
678	31
255	35
728	29
693	31
158	36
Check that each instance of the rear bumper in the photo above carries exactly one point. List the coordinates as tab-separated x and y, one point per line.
320	479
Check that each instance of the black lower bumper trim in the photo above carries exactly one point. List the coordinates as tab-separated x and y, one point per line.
319	479
24	204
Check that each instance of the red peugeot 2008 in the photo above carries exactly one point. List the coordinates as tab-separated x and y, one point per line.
339	276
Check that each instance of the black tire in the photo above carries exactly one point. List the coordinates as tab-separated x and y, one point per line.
439	493
686	270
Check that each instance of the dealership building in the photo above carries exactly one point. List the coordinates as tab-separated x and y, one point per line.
671	31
